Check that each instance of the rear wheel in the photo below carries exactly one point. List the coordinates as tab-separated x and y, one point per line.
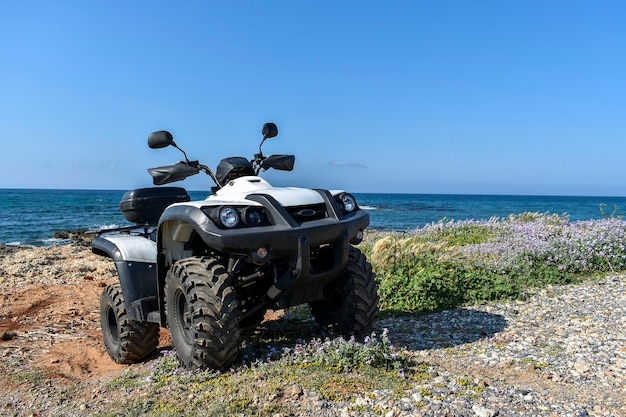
202	313
127	341
351	303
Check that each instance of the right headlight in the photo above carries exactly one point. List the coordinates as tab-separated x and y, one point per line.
252	216
348	202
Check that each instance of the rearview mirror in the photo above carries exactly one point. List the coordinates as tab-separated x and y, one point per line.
160	139
269	130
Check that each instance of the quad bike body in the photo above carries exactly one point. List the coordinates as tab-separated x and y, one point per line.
205	269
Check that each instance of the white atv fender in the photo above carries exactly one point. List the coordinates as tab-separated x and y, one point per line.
135	259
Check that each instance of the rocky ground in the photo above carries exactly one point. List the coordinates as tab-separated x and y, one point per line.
562	352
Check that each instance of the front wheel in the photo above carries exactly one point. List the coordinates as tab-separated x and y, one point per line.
351	303
202	313
127	341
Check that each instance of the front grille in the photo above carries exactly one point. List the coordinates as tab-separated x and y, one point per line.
303	214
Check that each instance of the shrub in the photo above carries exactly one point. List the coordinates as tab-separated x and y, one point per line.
447	264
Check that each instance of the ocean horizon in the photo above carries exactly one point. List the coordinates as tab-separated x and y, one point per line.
33	216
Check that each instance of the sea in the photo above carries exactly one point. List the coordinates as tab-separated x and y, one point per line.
32	217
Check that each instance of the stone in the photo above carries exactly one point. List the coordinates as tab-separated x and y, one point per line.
483	412
581	367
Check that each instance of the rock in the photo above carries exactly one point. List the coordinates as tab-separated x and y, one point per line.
581	367
417	397
78	236
4	336
483	412
292	392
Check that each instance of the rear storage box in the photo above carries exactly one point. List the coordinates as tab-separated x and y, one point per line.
145	205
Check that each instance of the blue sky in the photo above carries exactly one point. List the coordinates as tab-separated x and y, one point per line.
470	97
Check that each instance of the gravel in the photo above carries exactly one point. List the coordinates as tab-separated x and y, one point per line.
562	352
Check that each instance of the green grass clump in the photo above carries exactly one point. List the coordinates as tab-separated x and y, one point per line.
340	355
28	376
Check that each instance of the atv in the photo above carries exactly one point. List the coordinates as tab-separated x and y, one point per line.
206	269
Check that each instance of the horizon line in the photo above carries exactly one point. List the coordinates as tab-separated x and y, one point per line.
352	192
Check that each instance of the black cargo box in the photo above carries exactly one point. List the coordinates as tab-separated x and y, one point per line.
145	205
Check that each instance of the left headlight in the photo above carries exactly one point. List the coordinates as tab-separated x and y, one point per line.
348	202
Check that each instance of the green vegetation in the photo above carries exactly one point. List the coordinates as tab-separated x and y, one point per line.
33	376
450	264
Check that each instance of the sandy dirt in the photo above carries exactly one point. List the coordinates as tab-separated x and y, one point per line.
49	312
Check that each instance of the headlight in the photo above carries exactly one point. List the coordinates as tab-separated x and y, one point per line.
348	202
252	216
229	217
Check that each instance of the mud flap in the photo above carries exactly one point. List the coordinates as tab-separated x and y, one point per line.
135	260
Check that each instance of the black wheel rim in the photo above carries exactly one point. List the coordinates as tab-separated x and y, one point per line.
184	317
